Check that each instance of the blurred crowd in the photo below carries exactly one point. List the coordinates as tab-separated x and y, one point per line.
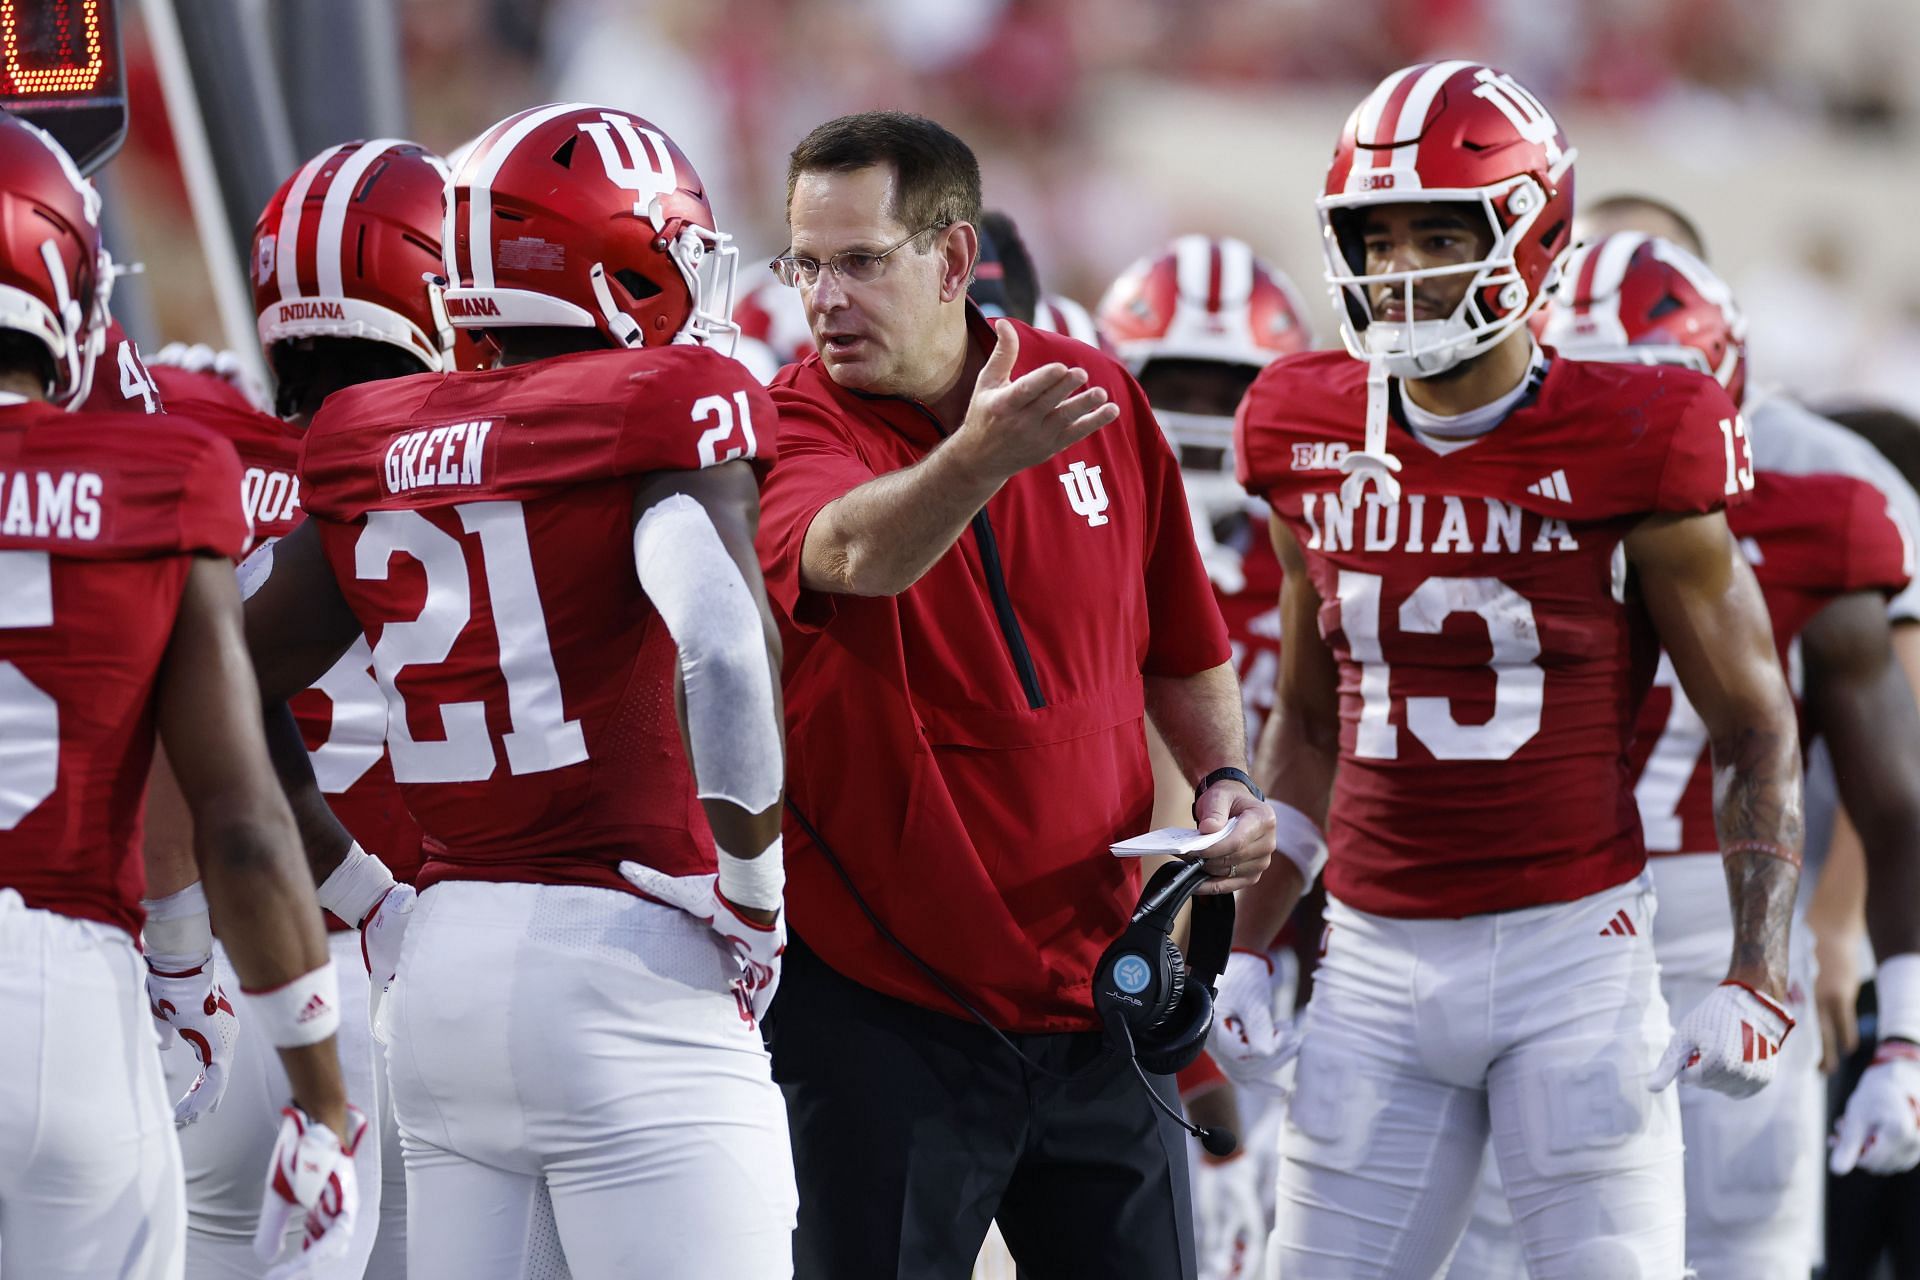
1106	126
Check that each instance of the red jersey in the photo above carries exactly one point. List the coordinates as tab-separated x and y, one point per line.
1810	540
1491	658
343	717
480	526
969	747
121	381
100	518
1253	627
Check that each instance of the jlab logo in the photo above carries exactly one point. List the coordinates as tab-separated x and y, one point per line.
1085	492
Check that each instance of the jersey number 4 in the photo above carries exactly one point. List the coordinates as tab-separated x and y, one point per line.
542	738
29	717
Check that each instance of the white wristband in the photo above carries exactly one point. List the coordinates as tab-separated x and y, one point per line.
756	883
302	1012
179	934
1897	988
356	885
1298	840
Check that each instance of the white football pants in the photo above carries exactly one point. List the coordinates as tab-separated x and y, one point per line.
226	1153
1754	1165
1424	1038
90	1182
574	1055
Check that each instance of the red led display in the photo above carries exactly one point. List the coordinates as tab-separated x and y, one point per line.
52	48
60	68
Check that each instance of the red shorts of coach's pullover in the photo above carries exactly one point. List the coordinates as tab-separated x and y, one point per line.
969	747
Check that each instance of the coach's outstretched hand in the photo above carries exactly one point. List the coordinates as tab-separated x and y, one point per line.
1014	423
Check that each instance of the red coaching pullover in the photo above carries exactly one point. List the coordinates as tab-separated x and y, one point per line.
969	747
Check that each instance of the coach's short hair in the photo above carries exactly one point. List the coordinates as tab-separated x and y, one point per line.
936	177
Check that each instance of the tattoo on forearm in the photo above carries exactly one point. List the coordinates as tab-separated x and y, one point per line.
1760	824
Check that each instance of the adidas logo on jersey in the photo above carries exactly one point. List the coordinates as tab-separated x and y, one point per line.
1621	926
1553	486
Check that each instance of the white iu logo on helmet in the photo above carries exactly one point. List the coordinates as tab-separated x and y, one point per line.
1521	108
1085	492
635	171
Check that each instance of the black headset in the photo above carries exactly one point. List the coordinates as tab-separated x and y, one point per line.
1157	1006
1156	1003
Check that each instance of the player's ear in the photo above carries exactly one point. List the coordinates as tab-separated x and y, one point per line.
959	250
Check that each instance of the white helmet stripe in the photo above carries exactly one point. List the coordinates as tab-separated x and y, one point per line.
1192	266
1609	273
1366	130
480	185
1413	113
287	239
329	246
1236	272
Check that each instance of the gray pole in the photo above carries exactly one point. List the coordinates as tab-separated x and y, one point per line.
340	68
229	50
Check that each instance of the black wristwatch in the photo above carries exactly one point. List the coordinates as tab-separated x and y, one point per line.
1225	773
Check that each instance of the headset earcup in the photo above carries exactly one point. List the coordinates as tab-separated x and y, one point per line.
1174	966
1174	1049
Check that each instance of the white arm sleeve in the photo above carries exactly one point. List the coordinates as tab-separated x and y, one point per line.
685	570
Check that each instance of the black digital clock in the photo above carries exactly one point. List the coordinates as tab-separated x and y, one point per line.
60	68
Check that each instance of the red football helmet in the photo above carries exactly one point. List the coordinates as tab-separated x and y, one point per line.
1203	298
1055	313
1635	297
349	248
54	275
586	217
1448	132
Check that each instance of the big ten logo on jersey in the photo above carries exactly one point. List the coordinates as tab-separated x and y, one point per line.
270	496
1432	524
730	431
646	169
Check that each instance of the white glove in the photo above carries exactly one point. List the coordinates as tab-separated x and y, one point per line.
192	1006
311	1170
1231	1219
1880	1129
1246	1043
198	357
1730	1043
758	947
380	937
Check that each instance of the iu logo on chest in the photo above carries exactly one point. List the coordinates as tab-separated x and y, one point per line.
1085	492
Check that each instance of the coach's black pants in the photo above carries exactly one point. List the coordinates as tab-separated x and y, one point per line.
913	1130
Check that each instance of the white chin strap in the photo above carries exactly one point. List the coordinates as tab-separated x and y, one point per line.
1373	463
623	326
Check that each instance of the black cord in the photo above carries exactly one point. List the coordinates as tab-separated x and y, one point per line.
946	987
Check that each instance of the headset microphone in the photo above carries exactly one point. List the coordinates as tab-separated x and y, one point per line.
1218	1143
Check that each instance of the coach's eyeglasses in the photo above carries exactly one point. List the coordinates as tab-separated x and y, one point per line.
862	268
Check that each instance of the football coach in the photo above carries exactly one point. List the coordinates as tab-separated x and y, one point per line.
981	559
